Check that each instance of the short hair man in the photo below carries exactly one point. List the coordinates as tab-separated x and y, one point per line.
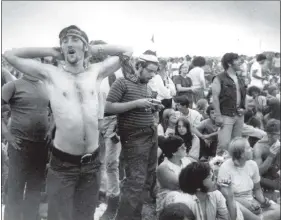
130	99
267	156
229	92
74	174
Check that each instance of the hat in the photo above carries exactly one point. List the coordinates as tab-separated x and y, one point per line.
149	58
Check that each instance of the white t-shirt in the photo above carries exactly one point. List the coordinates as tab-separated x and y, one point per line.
194	117
163	92
242	178
197	77
255	81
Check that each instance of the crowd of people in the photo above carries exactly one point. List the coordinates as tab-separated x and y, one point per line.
87	123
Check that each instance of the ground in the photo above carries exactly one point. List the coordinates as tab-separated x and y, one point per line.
148	211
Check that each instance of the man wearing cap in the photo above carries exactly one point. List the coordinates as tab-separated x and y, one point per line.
130	99
267	156
74	175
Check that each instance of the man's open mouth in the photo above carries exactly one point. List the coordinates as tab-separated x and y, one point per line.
71	51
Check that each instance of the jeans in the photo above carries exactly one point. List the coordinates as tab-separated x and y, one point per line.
198	94
26	174
232	127
110	162
139	150
72	189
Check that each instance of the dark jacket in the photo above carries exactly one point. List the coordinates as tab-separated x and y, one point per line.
228	96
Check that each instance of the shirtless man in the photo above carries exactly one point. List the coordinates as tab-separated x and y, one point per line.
74	175
267	156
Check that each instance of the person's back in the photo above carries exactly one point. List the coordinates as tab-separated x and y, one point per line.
197	77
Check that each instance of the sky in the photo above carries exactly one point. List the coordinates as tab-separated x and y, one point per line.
179	27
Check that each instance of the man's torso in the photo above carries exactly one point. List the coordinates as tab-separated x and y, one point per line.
136	118
75	106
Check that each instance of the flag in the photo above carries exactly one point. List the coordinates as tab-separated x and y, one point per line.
152	39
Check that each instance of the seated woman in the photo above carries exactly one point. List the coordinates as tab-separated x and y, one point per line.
245	178
166	128
201	194
168	171
192	142
168	122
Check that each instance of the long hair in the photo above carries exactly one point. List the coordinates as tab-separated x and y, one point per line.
187	138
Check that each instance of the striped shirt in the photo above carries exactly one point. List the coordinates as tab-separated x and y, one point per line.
127	90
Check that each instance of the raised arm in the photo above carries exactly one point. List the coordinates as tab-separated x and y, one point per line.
111	64
7	75
23	60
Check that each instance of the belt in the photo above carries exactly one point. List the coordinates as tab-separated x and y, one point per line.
75	159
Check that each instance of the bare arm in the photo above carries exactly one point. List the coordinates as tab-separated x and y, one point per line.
22	59
7	75
257	191
263	165
254	74
111	64
167	178
216	89
195	131
202	79
111	50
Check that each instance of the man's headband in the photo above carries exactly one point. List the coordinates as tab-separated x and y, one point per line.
76	33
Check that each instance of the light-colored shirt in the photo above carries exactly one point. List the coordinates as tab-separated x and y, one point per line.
216	208
163	92
242	178
194	117
254	81
197	77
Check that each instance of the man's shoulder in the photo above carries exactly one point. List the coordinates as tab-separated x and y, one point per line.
251	164
227	164
195	112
